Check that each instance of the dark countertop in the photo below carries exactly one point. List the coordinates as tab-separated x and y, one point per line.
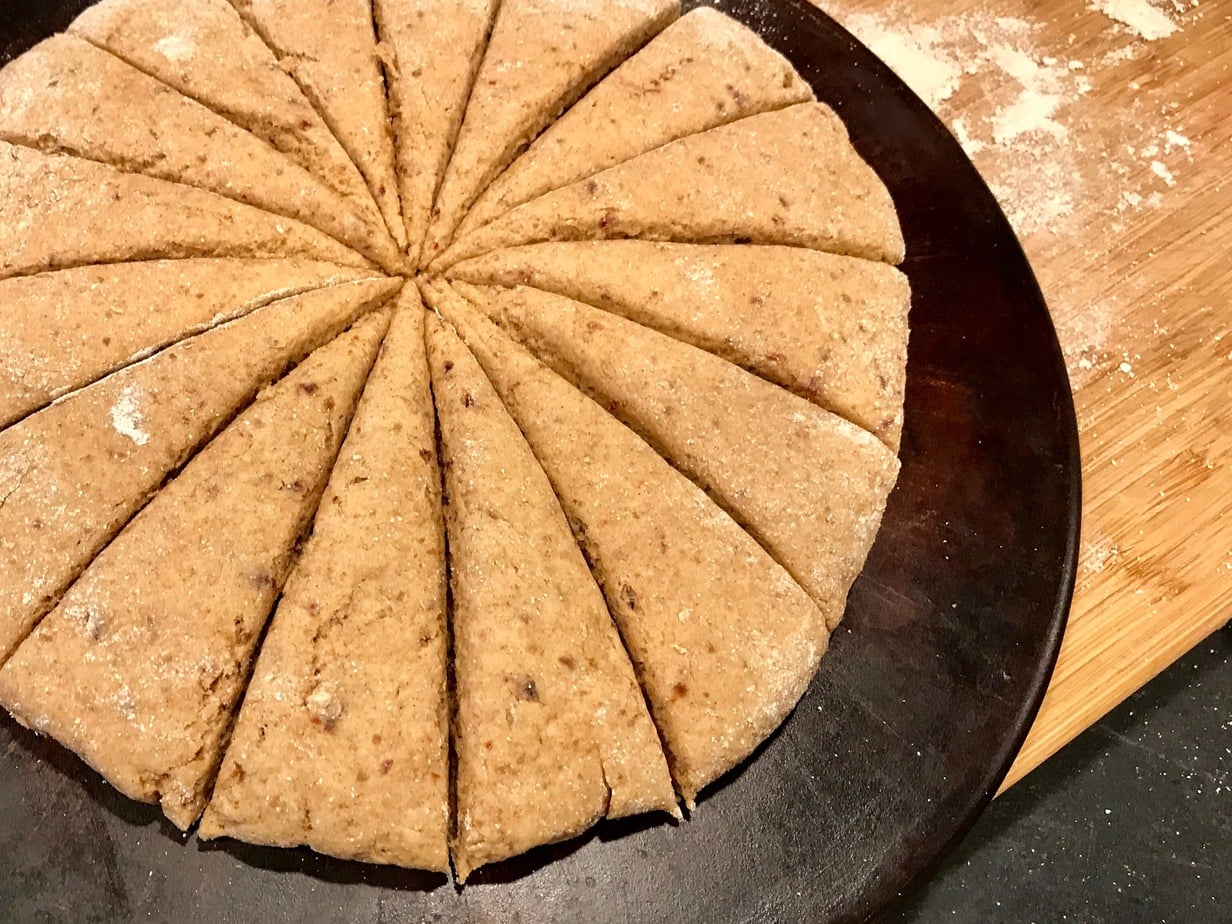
1132	822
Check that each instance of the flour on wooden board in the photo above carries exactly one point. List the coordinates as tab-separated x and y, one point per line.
1139	16
1010	102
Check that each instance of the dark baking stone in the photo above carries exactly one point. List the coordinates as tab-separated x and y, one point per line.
914	718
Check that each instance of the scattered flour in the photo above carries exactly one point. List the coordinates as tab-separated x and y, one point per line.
1098	554
176	48
1012	93
126	416
1160	170
1139	16
920	56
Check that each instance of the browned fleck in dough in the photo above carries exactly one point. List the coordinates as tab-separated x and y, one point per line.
342	743
158	632
205	51
551	733
58	211
329	47
431	50
68	328
72	474
809	485
789	176
831	328
725	642
543	55
703	70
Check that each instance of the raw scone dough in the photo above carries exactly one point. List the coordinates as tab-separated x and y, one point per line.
430	586
785	177
67	96
724	641
69	328
810	486
205	51
58	211
830	328
543	55
703	70
431	50
550	733
329	47
342	741
74	473
158	632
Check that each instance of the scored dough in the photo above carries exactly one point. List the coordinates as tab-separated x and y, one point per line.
789	176
551	733
158	632
703	70
832	329
724	641
294	555
58	211
543	55
69	328
342	741
67	96
431	50
810	486
205	51
329	47
75	472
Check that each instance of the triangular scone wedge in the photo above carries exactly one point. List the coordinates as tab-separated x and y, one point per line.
830	328
140	667
74	473
205	51
785	177
67	96
703	70
69	328
810	486
329	48
431	50
342	743
725	642
550	729
543	55
58	211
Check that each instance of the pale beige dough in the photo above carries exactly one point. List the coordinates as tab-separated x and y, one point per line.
790	176
204	50
329	47
810	486
830	328
58	211
543	55
69	328
67	96
431	50
550	733
72	474
703	70
158	632
725	642
342	741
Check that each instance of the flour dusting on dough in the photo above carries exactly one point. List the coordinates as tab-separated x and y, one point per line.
126	416
176	48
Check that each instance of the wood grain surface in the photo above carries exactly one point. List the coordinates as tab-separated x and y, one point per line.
1103	127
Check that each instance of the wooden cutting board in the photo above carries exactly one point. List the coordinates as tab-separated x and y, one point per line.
1103	127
